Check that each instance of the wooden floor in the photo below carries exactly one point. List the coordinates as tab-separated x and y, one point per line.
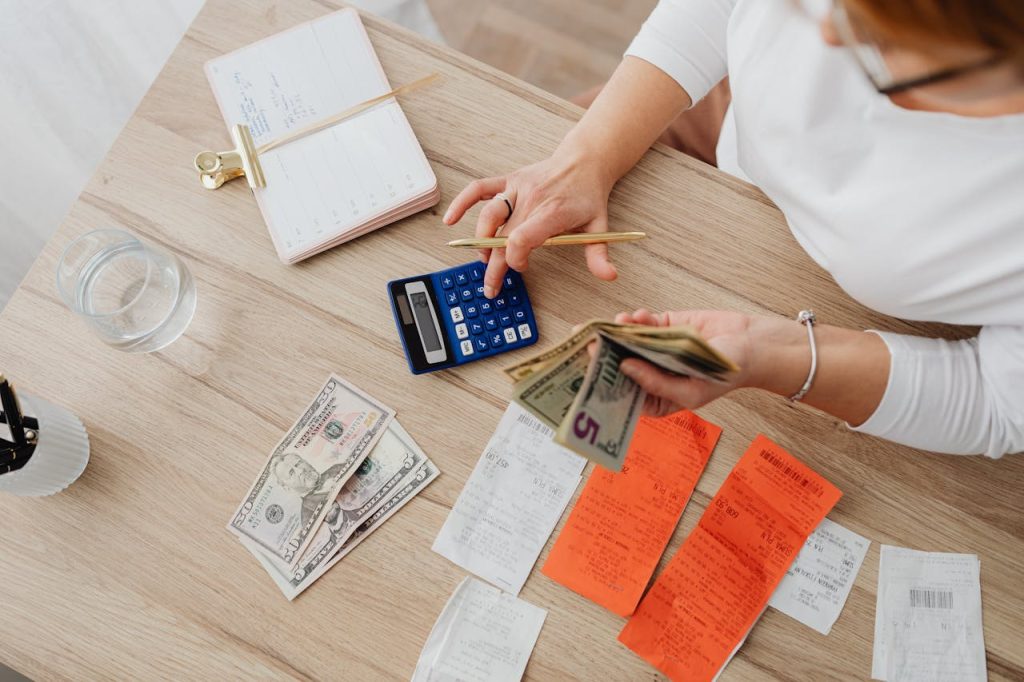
562	46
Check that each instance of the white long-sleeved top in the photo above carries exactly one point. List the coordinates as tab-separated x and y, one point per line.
919	215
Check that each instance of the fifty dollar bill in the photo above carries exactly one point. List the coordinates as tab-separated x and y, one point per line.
307	469
392	463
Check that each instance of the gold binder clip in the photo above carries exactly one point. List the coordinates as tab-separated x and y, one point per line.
216	168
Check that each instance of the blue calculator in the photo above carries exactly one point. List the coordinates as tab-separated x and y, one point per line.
444	319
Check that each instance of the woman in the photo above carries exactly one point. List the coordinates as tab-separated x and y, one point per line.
891	135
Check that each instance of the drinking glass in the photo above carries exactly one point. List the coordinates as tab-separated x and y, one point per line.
136	296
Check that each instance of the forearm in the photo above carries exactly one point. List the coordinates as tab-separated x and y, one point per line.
632	110
852	373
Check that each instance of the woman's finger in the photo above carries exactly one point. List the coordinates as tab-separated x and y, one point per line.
624	318
495	273
678	390
597	254
484	188
524	237
493	215
645	316
658	407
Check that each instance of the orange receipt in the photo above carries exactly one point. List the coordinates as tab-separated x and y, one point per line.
619	527
710	594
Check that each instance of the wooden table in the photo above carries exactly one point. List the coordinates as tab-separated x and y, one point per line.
130	574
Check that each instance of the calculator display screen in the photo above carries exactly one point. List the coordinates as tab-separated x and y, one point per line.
425	321
403	309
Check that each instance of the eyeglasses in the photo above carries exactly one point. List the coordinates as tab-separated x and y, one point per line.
869	56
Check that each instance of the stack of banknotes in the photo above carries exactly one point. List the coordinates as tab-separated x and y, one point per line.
339	473
593	407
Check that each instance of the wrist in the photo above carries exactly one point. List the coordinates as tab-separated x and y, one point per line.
579	152
780	355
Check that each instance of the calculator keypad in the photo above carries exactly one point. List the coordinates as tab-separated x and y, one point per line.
481	326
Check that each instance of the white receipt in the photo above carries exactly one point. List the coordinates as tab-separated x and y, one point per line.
511	502
482	635
815	588
928	617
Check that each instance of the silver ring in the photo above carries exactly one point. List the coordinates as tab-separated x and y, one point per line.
508	203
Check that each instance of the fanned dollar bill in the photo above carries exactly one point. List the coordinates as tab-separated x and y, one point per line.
549	394
427	473
423	475
305	472
605	410
592	407
681	341
392	463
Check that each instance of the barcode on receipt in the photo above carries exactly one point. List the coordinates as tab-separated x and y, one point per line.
931	599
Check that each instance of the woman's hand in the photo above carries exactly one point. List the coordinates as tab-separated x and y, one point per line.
564	193
728	333
773	354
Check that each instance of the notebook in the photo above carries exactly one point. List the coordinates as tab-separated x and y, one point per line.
338	183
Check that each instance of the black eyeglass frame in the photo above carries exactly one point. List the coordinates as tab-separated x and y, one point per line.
869	58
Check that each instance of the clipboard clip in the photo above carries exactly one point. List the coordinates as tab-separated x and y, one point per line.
216	168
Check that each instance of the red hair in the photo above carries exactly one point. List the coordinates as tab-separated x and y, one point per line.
997	25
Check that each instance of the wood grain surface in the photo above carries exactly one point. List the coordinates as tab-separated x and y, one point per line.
130	574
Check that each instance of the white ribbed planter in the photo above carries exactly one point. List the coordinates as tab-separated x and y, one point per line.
60	456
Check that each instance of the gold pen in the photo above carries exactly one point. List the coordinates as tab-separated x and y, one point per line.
560	240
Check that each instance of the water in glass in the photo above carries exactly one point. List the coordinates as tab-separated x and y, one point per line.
136	296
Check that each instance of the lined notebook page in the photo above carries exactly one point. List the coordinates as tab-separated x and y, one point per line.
334	181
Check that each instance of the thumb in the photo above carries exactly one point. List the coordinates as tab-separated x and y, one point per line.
597	254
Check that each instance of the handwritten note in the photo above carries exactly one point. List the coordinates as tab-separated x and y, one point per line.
622	521
339	179
511	502
816	586
482	635
708	597
928	617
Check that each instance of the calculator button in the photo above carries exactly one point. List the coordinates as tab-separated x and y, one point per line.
480	291
510	283
481	343
486	307
514	299
457	314
491	324
504	319
500	302
447	282
466	347
524	332
476	273
452	297
467	294
461	278
520	316
461	331
471	310
496	339
476	328
510	335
